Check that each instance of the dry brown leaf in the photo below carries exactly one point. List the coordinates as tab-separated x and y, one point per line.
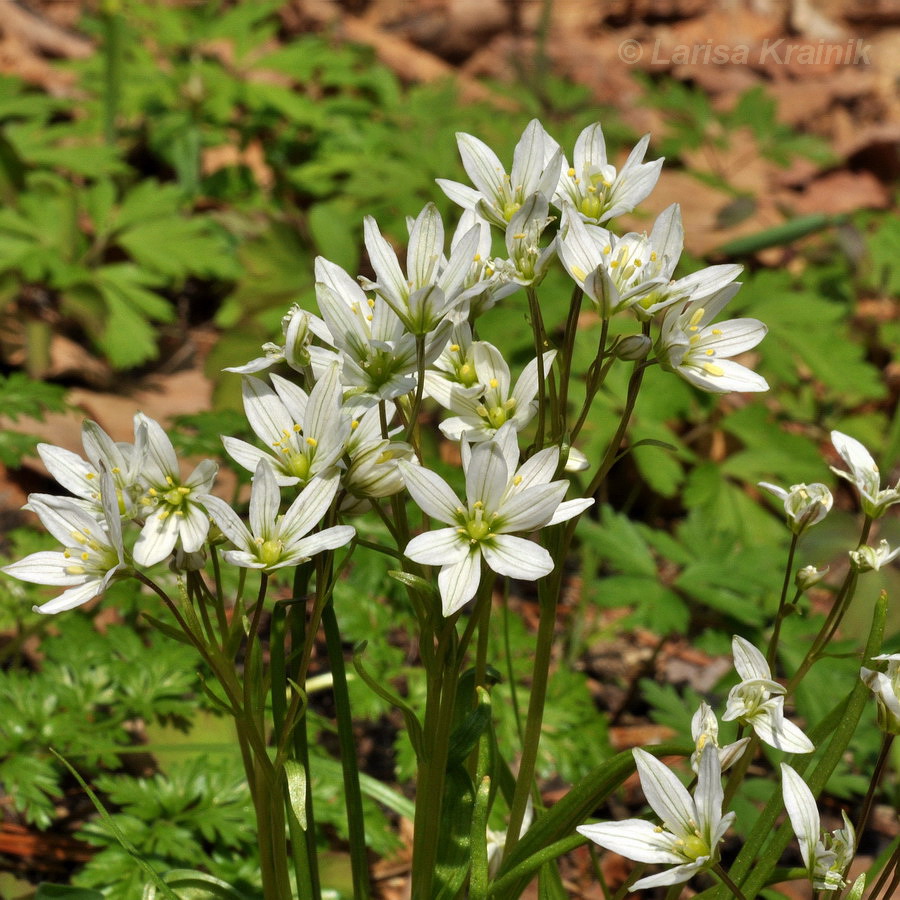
842	192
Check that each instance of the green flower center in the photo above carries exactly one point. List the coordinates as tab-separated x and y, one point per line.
695	847
270	552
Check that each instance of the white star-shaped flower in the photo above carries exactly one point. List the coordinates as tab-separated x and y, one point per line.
691	829
501	500
752	701
827	856
864	476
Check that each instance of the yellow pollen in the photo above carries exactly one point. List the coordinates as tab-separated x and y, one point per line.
369	318
152	492
312	442
494	383
66	554
580	274
454	348
297	428
74	570
517	480
520	236
710	352
571	172
476	257
169	480
90	476
85	556
607	249
697	317
653	257
371	303
591	189
354	425
115	470
614	264
717	331
713	369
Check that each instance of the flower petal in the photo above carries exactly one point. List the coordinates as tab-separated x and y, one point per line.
635	839
667	796
458	582
437	548
517	558
430	492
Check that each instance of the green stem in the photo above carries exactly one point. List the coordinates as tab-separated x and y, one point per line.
883	755
540	340
565	360
359	863
420	388
722	875
443	678
781	615
548	597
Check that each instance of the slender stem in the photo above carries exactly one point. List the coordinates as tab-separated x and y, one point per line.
565	359
540	340
420	388
596	375
883	755
781	615
723	876
443	677
359	864
548	597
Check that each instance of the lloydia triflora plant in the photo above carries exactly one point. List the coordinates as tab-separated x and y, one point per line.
340	438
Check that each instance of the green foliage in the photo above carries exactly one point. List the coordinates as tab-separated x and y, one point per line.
22	397
83	702
193	815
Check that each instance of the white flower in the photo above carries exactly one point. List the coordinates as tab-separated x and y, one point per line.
488	403
299	326
432	287
826	856
377	353
705	731
498	196
864	475
804	504
527	262
82	477
93	555
691	829
699	352
306	432
751	702
594	188
273	540
171	514
635	271
868	559
886	688
807	576
500	500
372	470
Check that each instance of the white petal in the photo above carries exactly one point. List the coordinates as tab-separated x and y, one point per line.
161	459
327	539
486	476
481	165
69	469
73	597
157	538
709	795
229	522
666	794
568	509
460	194
267	415
391	283
437	548
430	492
310	506
458	582
44	567
517	558
532	508
64	519
265	500
678	875
249	456
748	661
193	527
803	812
635	839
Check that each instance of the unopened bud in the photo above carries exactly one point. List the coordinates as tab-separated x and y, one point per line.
633	347
808	576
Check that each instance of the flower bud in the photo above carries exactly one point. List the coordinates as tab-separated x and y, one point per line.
633	347
868	559
886	688
804	504
808	576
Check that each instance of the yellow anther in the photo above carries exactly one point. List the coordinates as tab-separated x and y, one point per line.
297	428
520	236
312	442
607	250
75	570
85	556
90	476
169	480
371	303
697	317
152	492
653	257
710	352
637	263
494	383
571	172
517	480
717	331
354	425
476	257
592	189
454	348
713	369
580	274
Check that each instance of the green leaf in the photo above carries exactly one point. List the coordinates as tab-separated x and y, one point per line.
295	774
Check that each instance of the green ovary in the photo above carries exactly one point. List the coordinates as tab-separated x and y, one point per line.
478	530
270	552
298	464
695	847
